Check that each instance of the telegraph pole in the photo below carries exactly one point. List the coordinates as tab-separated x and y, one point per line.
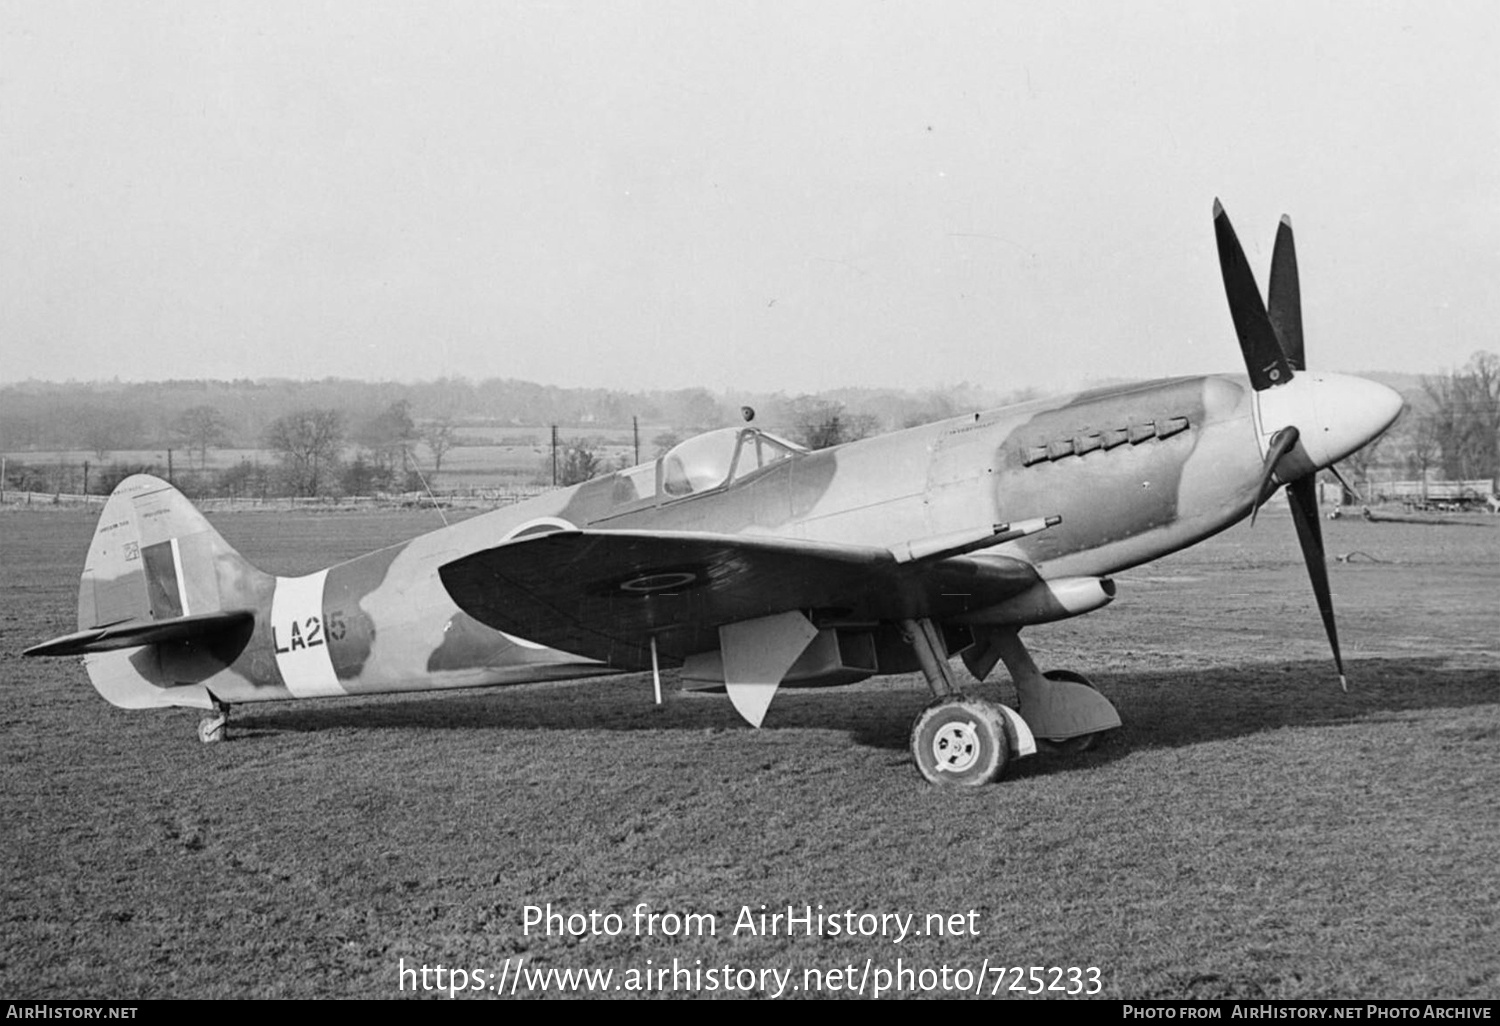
635	427
554	455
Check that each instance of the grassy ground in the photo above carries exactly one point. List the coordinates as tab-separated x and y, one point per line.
1251	831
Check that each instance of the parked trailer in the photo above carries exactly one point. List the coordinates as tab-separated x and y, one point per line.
1441	496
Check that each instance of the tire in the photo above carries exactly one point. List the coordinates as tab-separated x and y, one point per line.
960	742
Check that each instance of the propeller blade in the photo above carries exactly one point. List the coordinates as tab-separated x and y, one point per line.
1281	443
1264	359
1284	298
1303	494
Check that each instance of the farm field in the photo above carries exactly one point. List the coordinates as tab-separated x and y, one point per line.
1251	831
487	459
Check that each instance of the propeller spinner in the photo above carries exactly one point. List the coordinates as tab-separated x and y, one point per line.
1307	421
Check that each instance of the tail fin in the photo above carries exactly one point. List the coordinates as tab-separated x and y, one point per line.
158	573
155	557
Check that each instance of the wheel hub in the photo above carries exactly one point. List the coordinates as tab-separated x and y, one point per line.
955	747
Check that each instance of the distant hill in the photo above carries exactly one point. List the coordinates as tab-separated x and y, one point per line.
40	415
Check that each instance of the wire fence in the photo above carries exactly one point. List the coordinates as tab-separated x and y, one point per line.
469	498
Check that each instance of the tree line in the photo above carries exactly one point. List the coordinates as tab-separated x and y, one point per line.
339	437
107	417
1449	431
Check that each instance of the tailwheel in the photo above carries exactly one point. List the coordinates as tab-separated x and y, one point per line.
1083	742
960	742
211	728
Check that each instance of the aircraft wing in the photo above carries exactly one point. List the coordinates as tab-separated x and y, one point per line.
604	594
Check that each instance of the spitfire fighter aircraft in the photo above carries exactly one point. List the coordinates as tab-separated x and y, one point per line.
752	563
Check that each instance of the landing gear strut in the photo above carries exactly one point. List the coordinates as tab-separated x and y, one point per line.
212	728
1060	706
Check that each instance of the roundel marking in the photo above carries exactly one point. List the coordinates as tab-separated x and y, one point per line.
539	525
650	583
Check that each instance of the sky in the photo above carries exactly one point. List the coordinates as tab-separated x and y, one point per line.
768	195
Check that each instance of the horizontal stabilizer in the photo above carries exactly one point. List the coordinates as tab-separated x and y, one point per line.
198	627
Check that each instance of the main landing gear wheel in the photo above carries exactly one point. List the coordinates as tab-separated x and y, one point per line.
1083	742
960	742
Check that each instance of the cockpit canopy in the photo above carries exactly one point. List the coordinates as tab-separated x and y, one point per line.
718	457
705	462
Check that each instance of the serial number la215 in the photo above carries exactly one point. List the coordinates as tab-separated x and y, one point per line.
309	633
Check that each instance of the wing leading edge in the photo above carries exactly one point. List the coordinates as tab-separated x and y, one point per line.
605	594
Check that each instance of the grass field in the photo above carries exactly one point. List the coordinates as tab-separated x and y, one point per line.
1251	831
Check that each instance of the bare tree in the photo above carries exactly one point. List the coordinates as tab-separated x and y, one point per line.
99	435
308	443
247	480
389	436
693	408
1422	449
1464	415
201	428
107	429
579	463
821	423
1360	463
439	435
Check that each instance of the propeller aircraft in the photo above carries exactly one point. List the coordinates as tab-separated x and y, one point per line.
749	562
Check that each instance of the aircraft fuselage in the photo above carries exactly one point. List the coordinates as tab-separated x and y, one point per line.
1135	472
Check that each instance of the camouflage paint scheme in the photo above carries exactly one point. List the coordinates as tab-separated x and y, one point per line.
750	562
1133	472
